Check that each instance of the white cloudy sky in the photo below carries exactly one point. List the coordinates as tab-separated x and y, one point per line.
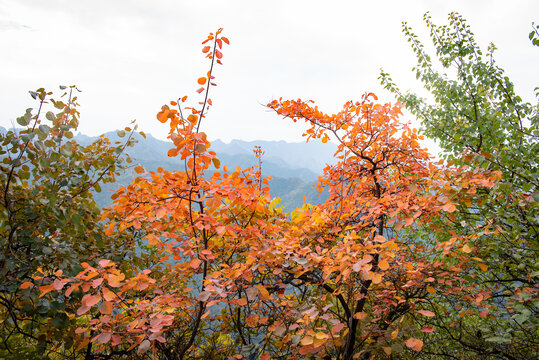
131	57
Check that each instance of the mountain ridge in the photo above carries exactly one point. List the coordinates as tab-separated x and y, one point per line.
294	168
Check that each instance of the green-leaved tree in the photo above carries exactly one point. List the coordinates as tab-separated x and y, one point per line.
480	122
49	222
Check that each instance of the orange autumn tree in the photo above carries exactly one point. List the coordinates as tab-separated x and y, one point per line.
230	275
360	276
202	226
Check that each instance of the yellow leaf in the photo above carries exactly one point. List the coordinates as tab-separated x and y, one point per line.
379	238
263	293
307	340
466	249
377	278
431	290
483	266
360	315
383	265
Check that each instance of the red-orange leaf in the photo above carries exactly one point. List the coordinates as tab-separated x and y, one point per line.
90	300
144	346
414	344
337	327
46	289
263	293
82	310
26	285
72	288
107	294
104	263
195	263
449	207
161	212
383	265
426	312
106	308
193	119
202	80
104	338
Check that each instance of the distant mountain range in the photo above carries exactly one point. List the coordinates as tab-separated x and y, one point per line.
293	167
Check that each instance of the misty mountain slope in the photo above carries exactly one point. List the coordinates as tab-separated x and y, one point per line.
293	167
313	155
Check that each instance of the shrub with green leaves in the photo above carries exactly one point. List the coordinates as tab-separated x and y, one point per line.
49	221
479	121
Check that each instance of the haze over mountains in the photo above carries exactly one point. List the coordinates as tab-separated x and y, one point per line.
294	167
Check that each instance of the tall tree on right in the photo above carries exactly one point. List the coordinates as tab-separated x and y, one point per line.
480	122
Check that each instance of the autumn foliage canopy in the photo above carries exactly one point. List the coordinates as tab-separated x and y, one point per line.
223	272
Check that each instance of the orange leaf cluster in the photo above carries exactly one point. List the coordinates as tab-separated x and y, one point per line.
312	282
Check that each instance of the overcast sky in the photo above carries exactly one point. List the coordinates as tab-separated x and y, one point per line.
131	57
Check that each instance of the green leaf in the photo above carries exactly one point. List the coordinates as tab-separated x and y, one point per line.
44	129
67	149
22	121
